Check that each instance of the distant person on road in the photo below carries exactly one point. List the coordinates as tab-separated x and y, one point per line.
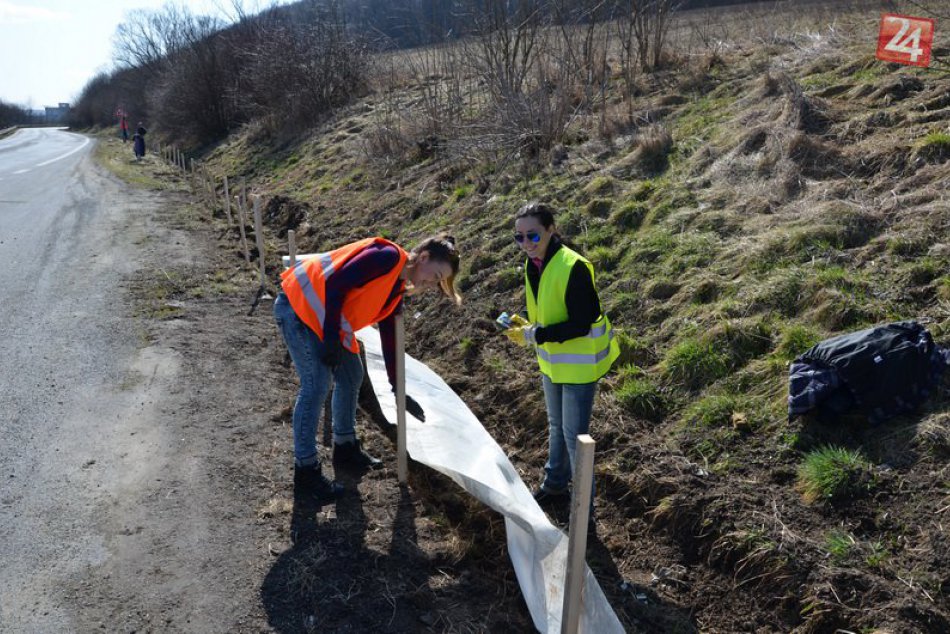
138	141
124	128
569	332
324	301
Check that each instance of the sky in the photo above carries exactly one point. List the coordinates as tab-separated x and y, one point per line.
49	49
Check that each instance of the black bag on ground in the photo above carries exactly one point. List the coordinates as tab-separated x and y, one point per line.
885	371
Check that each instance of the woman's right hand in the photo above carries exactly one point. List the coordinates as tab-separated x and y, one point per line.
332	352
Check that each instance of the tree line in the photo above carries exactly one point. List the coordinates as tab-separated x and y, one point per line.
11	115
196	78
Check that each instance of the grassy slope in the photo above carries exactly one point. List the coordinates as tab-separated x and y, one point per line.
805	195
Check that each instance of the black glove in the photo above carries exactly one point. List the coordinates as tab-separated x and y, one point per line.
415	409
332	352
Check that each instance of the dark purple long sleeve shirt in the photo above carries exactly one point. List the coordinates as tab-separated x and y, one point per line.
374	261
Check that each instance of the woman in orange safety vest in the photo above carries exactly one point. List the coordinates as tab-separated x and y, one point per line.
325	300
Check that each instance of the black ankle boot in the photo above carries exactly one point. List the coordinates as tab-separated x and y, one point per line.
309	482
351	456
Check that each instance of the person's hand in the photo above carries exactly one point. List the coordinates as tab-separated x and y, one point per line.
332	352
518	320
415	409
522	335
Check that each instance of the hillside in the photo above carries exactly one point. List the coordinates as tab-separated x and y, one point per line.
753	198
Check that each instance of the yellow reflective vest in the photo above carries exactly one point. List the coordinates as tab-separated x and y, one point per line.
582	359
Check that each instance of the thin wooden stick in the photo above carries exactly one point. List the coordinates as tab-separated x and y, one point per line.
577	541
259	237
292	247
402	462
242	220
227	201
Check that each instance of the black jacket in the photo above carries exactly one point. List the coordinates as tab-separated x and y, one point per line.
580	298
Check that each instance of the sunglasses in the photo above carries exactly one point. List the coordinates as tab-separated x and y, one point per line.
531	235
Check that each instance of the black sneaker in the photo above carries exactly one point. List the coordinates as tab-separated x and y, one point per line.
544	497
351	456
310	482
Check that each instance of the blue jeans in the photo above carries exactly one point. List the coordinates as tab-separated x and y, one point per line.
315	379
569	408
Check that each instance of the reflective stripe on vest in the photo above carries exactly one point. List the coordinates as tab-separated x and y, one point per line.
326	264
583	359
577	358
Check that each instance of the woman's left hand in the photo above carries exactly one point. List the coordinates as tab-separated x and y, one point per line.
522	335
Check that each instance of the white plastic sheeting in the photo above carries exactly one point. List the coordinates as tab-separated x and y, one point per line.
452	441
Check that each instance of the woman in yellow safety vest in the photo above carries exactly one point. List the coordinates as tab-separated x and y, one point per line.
569	332
324	301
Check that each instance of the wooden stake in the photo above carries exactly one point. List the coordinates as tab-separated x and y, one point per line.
242	220
402	462
577	541
292	247
194	185
227	202
213	191
259	236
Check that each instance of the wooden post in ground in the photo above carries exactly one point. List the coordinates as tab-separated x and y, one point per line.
259	237
194	185
213	192
402	462
242	221
227	201
292	247
577	540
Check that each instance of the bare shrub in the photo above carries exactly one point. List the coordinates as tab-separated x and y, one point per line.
302	64
643	26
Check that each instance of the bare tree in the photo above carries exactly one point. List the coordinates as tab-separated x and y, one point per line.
643	26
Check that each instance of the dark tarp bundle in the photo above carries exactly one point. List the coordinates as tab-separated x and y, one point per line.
885	371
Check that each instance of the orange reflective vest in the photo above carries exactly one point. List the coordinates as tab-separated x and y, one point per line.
305	287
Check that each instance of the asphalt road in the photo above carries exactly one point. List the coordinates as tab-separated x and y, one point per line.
79	387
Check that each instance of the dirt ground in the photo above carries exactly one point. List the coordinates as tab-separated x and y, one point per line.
383	559
684	542
678	548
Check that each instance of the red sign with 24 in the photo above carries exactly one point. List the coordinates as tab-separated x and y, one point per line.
905	39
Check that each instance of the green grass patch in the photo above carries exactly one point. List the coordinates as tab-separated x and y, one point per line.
462	192
604	258
711	411
794	340
633	350
908	245
943	288
839	545
833	473
740	340
817	81
629	216
934	147
694	363
640	396
925	270
599	186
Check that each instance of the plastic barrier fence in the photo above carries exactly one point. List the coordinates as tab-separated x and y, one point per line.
453	442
